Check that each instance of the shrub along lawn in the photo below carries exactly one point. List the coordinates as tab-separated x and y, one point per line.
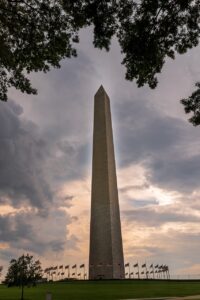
103	290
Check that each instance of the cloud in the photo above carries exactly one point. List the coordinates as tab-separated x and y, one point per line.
70	161
31	220
22	160
135	187
176	246
159	215
142	202
31	232
166	146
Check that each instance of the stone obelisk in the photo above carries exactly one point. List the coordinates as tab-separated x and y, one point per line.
106	259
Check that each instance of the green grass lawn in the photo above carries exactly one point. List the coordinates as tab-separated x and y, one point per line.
103	290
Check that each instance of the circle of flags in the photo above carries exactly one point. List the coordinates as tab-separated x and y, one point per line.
132	271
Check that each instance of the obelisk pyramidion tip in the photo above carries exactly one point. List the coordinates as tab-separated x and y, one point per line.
101	91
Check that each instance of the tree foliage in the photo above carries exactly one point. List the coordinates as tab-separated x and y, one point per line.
34	35
45	31
192	104
1	269
23	271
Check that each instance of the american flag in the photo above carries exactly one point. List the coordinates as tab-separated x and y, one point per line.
127	265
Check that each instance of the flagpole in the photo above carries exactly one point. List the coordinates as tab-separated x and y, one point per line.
146	270
156	267
138	272
168	272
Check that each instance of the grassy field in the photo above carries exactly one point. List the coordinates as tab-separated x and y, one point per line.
109	290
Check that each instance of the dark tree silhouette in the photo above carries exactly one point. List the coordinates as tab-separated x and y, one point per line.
37	34
23	271
1	269
34	35
192	104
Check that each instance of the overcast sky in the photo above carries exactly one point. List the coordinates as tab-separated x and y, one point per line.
45	163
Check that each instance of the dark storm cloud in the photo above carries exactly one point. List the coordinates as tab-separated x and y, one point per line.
31	232
65	101
144	131
156	216
7	255
134	187
72	162
167	146
13	228
33	165
64	112
22	160
177	173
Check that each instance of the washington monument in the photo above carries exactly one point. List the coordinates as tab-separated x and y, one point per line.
106	259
